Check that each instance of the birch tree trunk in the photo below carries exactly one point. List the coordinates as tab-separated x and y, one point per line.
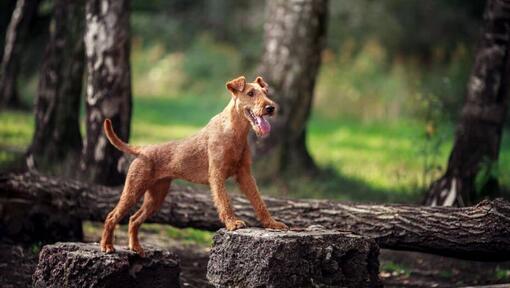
15	38
57	140
295	33
107	45
480	128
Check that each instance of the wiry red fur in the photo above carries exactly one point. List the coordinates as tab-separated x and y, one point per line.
217	152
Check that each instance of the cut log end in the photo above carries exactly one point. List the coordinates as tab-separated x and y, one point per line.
84	265
318	258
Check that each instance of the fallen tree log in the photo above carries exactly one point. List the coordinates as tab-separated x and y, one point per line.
480	232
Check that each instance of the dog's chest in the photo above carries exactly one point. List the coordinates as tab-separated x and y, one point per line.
233	155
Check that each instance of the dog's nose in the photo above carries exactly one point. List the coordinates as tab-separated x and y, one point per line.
269	109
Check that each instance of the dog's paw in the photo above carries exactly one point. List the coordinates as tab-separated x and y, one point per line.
137	249
235	224
107	248
276	225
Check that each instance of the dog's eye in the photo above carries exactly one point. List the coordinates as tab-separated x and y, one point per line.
250	94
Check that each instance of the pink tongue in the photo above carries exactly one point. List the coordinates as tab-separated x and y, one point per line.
264	126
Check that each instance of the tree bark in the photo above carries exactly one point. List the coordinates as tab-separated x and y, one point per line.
480	232
57	141
295	34
15	38
107	45
478	137
6	9
305	258
69	265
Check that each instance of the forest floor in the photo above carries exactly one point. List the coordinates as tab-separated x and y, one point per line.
398	268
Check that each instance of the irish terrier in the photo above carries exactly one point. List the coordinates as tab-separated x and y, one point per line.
219	151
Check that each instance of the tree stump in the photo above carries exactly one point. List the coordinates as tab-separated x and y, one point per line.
305	258
84	265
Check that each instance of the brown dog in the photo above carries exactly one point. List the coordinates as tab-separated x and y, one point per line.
218	151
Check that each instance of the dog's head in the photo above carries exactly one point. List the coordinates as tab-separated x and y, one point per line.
253	103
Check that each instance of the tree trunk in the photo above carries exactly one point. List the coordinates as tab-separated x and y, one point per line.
295	34
57	140
305	258
480	232
108	87
15	38
479	132
69	265
6	9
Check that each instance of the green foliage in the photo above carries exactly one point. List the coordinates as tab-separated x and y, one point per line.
35	248
488	172
211	61
364	82
404	27
395	269
156	72
502	274
430	151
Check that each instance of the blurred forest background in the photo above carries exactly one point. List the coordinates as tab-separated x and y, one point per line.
393	101
389	91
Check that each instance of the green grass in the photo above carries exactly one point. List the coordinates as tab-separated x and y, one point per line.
385	156
190	235
15	134
185	236
396	269
378	161
502	274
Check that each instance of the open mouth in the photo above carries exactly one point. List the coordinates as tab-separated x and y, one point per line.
259	123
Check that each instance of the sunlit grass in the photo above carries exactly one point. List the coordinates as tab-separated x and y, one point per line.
15	129
368	161
385	155
93	231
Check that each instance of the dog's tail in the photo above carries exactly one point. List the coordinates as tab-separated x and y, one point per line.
115	140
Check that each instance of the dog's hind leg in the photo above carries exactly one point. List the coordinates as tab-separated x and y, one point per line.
136	184
153	199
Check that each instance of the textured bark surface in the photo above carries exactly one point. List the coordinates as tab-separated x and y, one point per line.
6	9
15	38
480	127
57	140
308	258
107	45
480	232
84	265
295	33
17	264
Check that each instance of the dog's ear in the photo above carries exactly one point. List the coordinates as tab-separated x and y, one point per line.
236	85
261	82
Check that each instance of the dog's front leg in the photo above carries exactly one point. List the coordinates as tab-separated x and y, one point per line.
222	203
249	188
